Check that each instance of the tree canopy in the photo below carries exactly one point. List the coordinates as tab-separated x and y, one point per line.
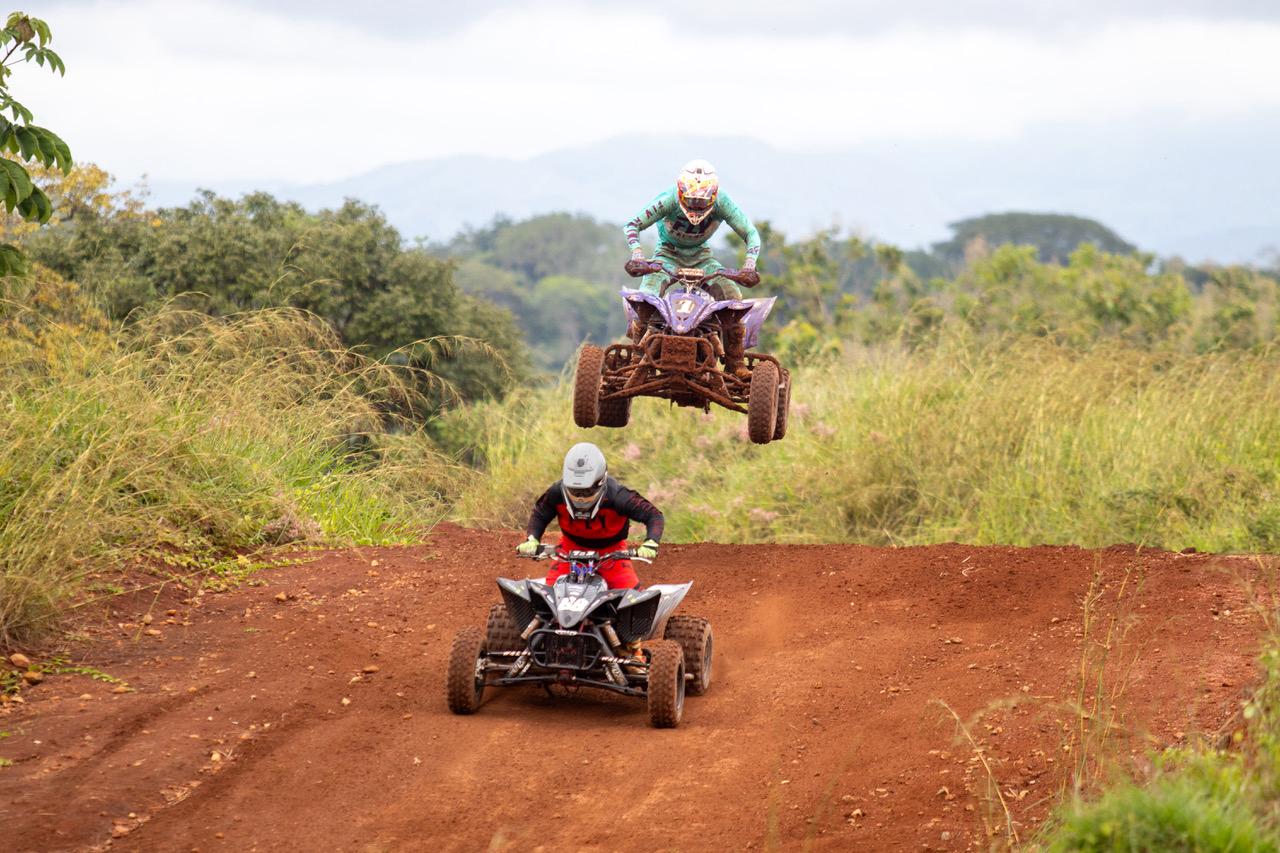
559	274
1054	235
348	265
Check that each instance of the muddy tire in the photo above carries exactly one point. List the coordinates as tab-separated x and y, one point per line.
615	413
463	689
784	406
762	402
501	633
666	684
586	386
693	633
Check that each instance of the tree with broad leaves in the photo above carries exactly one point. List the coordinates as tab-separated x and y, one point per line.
25	39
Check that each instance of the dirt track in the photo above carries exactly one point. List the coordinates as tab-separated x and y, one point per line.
255	728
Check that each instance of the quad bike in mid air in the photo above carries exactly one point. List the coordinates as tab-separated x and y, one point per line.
680	356
579	633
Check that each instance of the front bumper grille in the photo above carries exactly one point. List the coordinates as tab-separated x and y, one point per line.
680	354
552	650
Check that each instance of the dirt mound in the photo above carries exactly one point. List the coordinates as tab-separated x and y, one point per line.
309	713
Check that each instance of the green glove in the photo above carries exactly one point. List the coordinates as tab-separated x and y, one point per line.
528	547
648	550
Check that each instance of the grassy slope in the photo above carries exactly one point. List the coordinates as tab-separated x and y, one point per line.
1197	798
199	434
1020	445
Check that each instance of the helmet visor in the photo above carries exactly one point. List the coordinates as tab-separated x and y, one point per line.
698	203
584	497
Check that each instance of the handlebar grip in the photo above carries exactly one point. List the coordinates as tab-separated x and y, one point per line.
639	267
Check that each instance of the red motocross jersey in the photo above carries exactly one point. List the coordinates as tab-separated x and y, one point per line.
618	508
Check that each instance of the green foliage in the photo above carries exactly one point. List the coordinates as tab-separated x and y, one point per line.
1096	296
62	666
811	275
25	39
558	274
550	244
842	288
1206	804
825	284
348	266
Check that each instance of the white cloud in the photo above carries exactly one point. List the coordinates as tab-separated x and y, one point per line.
211	91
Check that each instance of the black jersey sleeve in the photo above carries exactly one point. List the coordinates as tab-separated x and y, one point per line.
634	506
544	511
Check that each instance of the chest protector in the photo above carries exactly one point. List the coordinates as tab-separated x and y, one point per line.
609	527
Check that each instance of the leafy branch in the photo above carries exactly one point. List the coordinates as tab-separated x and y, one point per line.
25	39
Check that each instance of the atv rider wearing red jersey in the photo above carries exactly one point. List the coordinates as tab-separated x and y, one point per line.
594	512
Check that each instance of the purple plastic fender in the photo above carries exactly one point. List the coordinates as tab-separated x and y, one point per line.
684	310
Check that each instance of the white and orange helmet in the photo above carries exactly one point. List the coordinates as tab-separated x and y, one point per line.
696	188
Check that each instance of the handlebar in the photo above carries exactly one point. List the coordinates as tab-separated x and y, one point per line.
547	552
690	275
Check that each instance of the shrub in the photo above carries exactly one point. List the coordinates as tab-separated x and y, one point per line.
194	432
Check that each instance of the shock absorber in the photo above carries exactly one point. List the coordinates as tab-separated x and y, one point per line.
614	671
521	663
612	636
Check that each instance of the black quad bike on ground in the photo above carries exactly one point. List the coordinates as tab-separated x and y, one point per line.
679	355
579	633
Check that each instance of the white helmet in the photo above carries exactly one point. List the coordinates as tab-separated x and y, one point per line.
583	479
697	186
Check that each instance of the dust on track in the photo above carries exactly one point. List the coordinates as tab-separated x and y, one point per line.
256	726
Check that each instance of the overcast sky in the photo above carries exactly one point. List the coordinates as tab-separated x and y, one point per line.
313	91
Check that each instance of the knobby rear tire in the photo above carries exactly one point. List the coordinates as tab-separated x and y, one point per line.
586	386
693	633
615	413
762	402
463	691
501	633
784	406
666	684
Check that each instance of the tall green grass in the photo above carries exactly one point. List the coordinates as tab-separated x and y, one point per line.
1197	802
198	433
1017	443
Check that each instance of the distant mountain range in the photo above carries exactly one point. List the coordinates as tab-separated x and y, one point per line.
1196	193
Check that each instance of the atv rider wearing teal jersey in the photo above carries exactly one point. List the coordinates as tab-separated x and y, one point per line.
687	216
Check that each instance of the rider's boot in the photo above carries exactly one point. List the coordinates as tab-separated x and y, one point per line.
735	351
632	650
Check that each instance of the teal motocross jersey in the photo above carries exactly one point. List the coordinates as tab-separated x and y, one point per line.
675	229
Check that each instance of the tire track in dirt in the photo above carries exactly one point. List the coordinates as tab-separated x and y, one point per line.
822	726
